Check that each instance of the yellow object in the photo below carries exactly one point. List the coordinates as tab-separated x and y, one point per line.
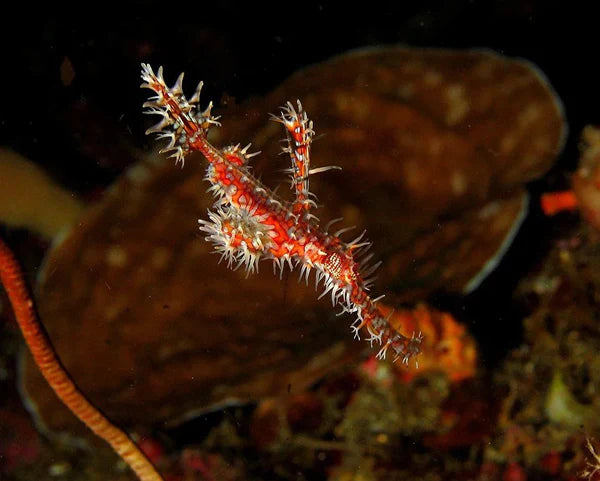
31	200
561	406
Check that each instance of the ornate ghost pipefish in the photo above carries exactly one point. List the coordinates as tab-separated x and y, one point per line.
249	222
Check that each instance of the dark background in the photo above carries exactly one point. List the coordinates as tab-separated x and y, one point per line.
244	49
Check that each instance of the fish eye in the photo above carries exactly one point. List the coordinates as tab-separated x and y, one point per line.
352	273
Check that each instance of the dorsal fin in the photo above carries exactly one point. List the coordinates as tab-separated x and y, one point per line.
299	137
238	156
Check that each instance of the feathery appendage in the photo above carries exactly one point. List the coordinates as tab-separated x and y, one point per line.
250	223
593	464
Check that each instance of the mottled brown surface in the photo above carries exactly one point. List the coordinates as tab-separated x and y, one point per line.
424	137
151	326
435	148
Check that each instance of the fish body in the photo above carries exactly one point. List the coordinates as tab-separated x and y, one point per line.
249	223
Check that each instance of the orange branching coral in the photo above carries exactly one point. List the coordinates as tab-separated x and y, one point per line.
447	346
51	367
